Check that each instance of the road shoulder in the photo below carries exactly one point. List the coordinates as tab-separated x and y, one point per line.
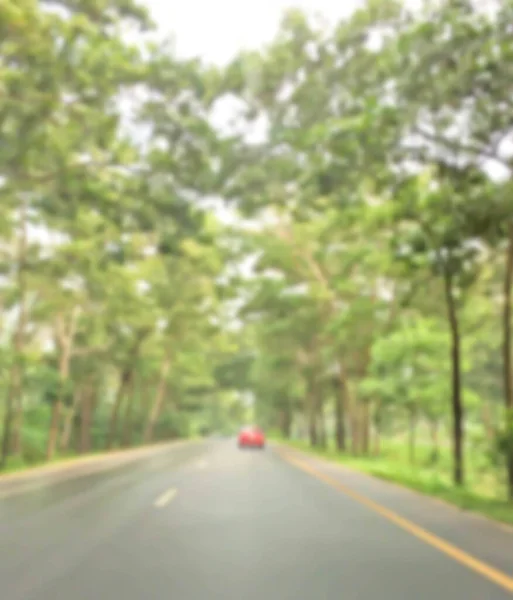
478	536
20	481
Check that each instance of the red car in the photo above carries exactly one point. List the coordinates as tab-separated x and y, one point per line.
251	437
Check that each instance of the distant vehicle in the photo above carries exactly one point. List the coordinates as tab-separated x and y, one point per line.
251	437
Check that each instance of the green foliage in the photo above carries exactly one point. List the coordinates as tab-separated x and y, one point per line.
390	468
120	280
379	231
377	235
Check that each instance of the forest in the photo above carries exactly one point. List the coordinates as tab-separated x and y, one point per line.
317	236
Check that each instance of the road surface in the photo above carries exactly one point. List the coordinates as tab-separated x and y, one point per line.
205	520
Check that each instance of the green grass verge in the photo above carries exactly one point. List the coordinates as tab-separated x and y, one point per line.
18	464
427	481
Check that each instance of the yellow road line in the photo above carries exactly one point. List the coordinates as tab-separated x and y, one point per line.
498	577
165	498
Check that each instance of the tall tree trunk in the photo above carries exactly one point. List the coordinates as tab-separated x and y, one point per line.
356	419
363	410
86	418
11	440
17	415
351	436
435	448
321	420
507	358
128	419
64	341
340	397
376	446
17	422
53	430
412	434
124	384
311	412
67	427
355	427
75	434
13	415
286	419
458	432
156	408
376	450
145	389
69	419
365	427
489	426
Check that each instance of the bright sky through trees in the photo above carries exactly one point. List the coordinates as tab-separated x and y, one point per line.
371	164
217	31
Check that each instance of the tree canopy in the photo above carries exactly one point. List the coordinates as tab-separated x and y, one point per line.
362	291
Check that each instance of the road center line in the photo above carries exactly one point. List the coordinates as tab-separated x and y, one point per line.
165	498
498	577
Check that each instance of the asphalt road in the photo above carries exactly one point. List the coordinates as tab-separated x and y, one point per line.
206	520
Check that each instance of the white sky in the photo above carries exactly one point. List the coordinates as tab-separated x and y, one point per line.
217	29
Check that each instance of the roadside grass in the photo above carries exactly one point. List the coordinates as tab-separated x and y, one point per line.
35	435
18	464
484	492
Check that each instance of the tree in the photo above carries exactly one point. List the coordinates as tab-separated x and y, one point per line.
101	205
464	119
